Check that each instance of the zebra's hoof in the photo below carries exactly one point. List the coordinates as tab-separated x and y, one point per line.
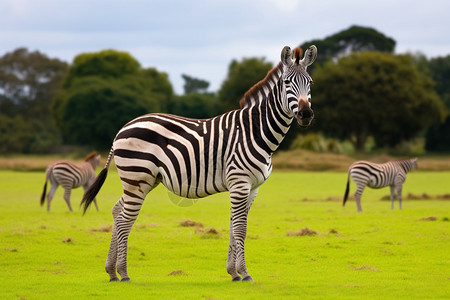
126	279
248	278
114	279
238	278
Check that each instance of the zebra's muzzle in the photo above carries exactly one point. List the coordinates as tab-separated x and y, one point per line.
304	116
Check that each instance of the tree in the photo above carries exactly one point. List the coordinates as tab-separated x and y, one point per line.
353	39
28	82
241	77
102	92
195	105
15	134
438	136
374	94
194	85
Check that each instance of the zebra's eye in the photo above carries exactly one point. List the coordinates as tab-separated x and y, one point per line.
287	82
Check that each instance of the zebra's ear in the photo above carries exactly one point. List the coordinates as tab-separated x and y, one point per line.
286	56
310	56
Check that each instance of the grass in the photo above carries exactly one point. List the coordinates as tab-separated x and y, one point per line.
378	253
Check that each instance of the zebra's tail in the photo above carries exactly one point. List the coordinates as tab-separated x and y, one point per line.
44	192
95	187
347	189
47	172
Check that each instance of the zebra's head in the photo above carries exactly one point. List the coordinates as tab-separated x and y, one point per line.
297	83
414	163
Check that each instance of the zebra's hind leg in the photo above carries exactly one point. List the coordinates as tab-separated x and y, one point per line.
358	201
111	260
124	222
393	196
399	196
50	194
67	191
359	190
86	187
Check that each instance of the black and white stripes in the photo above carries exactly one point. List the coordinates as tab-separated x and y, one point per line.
392	174
196	158
70	175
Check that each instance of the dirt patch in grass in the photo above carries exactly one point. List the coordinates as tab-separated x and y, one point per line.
11	250
364	267
302	232
176	273
68	240
212	231
190	223
208	233
107	228
431	218
423	196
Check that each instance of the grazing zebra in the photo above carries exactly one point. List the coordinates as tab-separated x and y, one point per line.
196	158
70	176
392	173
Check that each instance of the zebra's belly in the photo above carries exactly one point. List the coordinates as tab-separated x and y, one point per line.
192	189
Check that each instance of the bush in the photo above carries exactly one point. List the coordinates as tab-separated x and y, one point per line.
316	142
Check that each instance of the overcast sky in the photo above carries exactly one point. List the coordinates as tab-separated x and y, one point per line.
201	37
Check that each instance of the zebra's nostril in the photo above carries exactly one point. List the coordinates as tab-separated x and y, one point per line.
305	113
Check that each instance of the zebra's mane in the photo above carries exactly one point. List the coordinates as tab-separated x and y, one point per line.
263	86
90	156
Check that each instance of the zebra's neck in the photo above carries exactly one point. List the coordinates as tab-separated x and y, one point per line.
406	165
268	121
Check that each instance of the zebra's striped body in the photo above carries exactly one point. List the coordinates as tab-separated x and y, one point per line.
196	158
392	174
70	175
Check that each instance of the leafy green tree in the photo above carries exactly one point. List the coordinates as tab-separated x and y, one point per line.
374	94
194	85
28	82
353	39
15	134
92	106
195	105
104	64
438	137
241	77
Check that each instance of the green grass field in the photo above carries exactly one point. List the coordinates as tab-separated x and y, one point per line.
376	254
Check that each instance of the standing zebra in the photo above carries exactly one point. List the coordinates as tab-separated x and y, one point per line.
70	176
196	158
392	173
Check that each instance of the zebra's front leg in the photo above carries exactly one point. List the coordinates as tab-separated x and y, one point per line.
392	196
240	206
231	260
111	260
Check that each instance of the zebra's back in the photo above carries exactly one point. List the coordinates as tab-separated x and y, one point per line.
69	174
186	155
375	175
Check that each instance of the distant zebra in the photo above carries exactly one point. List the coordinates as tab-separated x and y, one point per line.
196	158
392	173
70	175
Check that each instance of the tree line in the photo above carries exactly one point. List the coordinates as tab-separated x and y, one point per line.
361	91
